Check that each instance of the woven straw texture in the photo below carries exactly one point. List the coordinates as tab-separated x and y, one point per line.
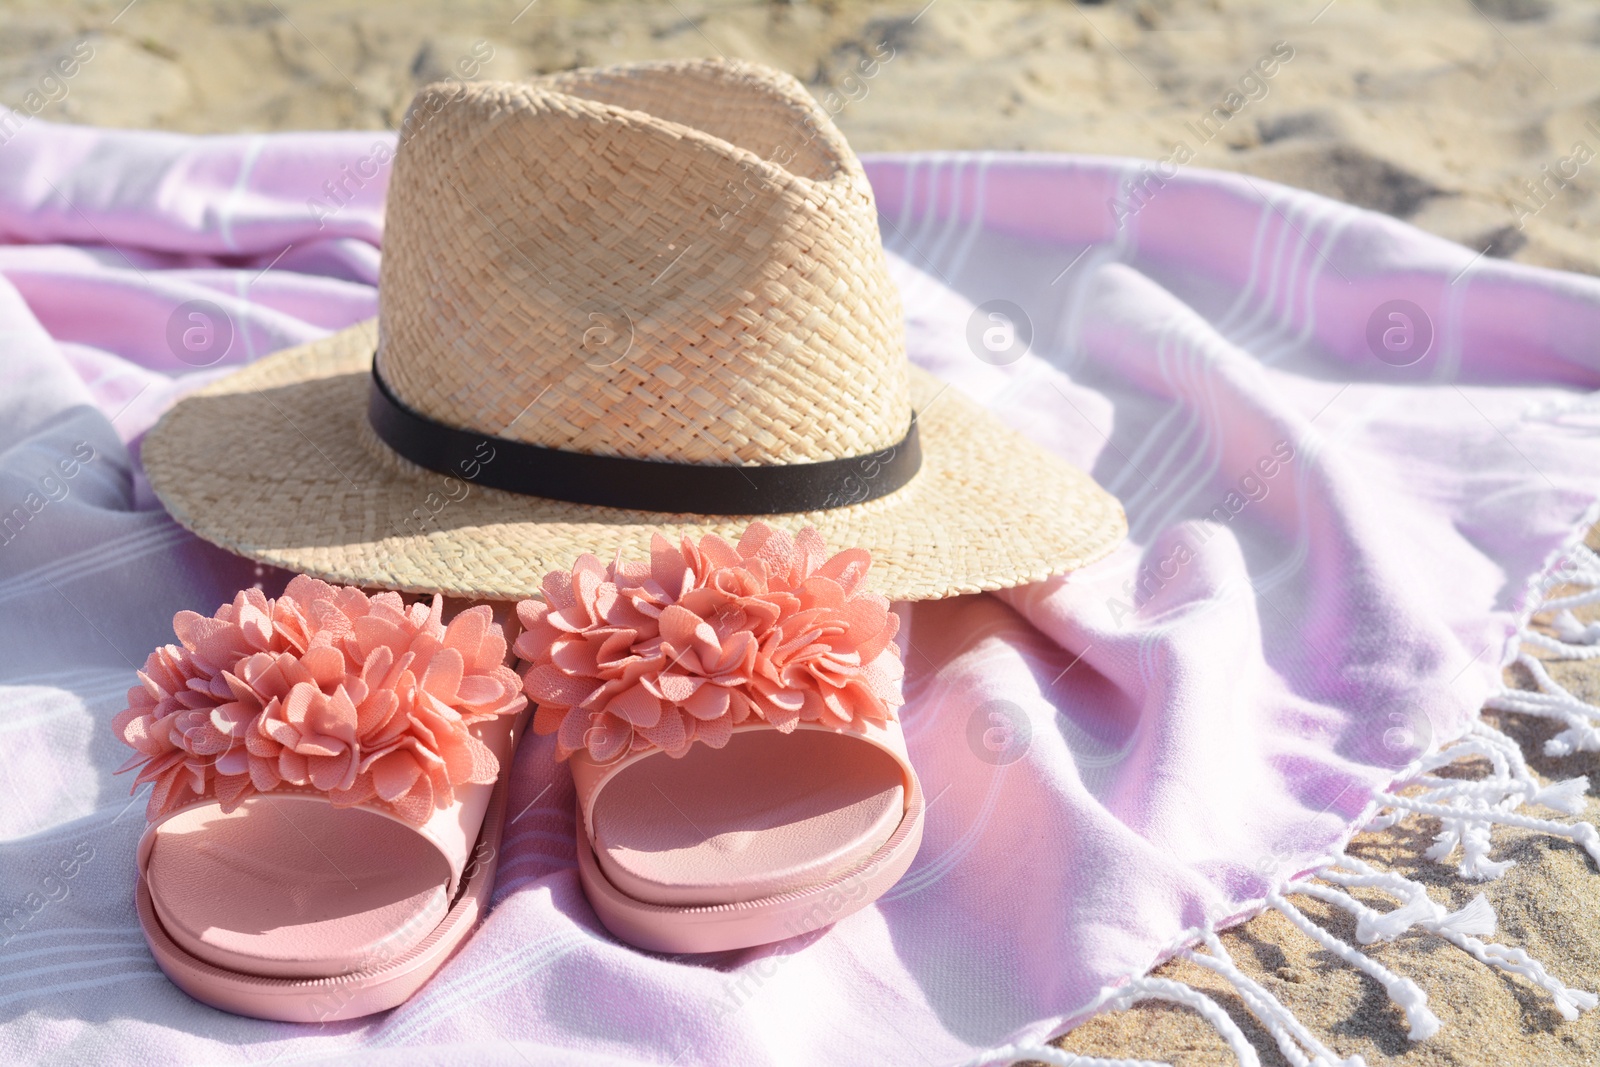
276	462
673	261
562	270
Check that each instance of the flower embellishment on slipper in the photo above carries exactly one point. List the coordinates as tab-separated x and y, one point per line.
704	637
355	696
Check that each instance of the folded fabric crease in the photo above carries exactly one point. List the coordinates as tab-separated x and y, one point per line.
1188	725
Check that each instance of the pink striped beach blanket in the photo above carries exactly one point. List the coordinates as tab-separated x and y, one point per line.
1348	451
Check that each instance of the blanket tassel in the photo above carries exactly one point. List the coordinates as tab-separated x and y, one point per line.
1467	811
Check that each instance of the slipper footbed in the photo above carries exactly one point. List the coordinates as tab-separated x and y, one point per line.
769	813
292	890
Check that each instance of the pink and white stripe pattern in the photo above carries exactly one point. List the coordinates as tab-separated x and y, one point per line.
1330	548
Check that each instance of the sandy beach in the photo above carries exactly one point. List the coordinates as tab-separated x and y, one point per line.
1477	121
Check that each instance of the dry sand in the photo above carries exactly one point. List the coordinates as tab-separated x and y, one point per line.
1477	121
1462	117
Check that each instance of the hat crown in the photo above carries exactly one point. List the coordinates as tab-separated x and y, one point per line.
675	261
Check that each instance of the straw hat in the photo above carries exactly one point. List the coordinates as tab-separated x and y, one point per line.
615	301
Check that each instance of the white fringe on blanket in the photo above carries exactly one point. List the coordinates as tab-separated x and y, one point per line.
1467	810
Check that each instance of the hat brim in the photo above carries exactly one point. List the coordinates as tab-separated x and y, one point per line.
276	462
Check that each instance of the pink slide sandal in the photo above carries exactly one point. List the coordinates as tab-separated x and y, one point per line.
328	802
798	806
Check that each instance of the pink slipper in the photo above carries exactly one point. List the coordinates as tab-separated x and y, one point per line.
328	803
797	806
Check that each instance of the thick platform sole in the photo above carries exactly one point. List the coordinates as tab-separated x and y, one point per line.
720	927
348	996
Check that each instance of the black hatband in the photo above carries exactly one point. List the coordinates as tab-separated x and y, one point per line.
639	484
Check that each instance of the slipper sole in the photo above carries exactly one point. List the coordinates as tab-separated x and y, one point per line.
348	996
744	924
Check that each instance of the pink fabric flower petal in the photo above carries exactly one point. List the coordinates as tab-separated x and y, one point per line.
705	636
324	686
673	688
478	689
707	703
325	664
393	775
636	705
669	568
574	727
575	655
443	675
467	630
549	685
714	732
231	789
670	732
607	738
